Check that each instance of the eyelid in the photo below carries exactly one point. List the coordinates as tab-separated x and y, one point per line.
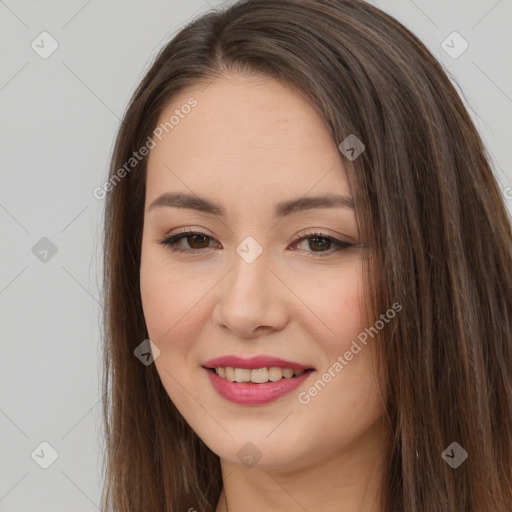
338	244
188	230
171	239
177	236
321	232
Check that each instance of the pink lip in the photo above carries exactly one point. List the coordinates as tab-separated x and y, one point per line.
253	363
249	393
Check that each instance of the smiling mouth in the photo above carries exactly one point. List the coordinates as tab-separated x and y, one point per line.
257	375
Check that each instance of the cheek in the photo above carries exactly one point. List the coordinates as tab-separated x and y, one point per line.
159	305
171	300
337	303
171	305
340	332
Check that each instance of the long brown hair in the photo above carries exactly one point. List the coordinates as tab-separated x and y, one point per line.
439	243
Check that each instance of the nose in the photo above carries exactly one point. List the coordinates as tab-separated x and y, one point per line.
251	300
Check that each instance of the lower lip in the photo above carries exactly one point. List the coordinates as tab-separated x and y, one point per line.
249	393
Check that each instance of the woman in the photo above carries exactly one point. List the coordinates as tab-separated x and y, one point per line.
302	218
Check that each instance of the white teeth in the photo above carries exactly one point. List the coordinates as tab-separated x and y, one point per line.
242	375
258	375
287	373
275	374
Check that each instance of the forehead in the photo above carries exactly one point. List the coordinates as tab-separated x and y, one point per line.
247	137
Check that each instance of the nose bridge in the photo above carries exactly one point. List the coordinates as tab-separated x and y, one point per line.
249	298
250	272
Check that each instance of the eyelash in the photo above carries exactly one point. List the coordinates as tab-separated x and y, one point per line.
172	240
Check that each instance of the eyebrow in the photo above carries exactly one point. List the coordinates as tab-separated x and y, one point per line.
194	202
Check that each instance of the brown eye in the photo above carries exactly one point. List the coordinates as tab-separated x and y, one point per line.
197	241
318	243
188	241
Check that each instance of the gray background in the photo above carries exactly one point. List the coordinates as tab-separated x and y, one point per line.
59	118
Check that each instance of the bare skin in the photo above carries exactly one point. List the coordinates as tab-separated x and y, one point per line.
249	144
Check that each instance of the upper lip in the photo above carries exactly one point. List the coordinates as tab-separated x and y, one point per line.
252	363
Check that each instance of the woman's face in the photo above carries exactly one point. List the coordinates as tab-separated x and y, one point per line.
275	273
